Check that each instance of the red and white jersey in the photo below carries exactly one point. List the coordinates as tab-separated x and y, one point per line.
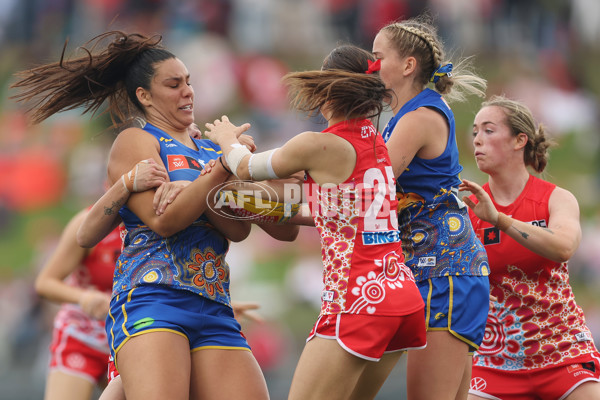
535	322
364	271
98	266
95	272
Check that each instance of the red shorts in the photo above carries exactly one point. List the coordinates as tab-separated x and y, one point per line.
112	369
72	356
555	382
370	336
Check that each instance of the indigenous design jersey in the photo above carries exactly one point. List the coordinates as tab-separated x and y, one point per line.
96	273
437	237
192	259
364	272
535	322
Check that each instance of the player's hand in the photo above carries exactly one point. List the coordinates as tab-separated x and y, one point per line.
222	131
244	310
95	304
146	174
247	141
166	194
484	209
195	131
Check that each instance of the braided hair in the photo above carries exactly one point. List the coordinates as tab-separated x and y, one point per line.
417	37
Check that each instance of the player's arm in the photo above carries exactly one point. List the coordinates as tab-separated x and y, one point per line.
66	258
136	144
413	135
103	217
557	242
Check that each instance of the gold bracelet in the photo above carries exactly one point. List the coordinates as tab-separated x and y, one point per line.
504	222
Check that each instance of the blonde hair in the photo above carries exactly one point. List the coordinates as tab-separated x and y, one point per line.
520	120
418	38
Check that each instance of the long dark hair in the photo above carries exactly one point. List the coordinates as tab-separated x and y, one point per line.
110	72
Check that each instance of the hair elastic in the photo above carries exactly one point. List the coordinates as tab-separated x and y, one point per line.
441	71
374	66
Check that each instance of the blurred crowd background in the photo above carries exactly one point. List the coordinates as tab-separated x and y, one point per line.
544	52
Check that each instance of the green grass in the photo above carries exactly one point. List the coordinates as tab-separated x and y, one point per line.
27	237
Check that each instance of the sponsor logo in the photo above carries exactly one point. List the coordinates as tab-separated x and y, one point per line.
170	145
540	222
478	383
327	295
583	368
439	316
370	238
142	323
582	372
426	262
179	161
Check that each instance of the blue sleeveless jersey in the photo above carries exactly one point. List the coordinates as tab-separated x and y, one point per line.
192	259
436	232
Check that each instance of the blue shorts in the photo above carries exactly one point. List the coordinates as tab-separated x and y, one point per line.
154	308
457	304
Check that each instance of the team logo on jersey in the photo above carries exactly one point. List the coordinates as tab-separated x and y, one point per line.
590	366
489	235
179	161
380	237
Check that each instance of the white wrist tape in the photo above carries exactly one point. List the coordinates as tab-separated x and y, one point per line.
235	156
260	166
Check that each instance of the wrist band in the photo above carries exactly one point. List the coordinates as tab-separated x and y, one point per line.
504	222
223	165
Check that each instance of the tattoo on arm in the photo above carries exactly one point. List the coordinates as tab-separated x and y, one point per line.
525	235
403	164
111	210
